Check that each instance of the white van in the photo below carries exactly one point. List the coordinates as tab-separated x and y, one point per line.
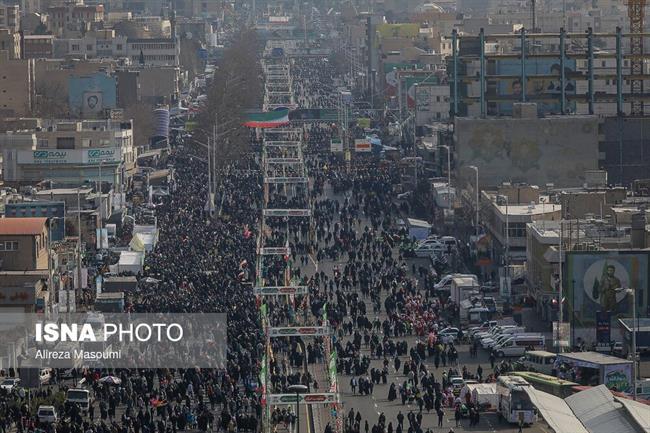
519	344
490	342
540	361
80	397
445	282
449	242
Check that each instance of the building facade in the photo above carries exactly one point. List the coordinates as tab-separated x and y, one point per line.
70	153
17	87
10	17
23	244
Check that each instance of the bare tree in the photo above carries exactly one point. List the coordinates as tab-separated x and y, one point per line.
51	100
236	86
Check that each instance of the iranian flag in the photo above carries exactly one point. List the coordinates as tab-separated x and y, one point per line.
270	119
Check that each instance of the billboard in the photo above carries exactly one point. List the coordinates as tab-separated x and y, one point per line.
618	377
362	145
336	145
70	156
544	90
391	76
423	87
595	279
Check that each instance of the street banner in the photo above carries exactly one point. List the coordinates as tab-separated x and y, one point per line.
362	145
322	398
286	212
274	251
280	290
283	160
290	331
336	145
603	326
285	180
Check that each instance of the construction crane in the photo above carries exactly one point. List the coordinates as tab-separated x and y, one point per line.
636	12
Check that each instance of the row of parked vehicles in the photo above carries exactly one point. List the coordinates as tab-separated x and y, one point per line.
46	413
506	340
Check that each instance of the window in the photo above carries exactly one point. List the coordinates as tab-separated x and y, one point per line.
516	230
9	246
75	47
89	47
119	47
65	142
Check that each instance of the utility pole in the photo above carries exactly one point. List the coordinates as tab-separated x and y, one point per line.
50	277
415	126
78	249
560	288
101	211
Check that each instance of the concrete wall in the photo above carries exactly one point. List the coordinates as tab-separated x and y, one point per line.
554	150
631	138
16	87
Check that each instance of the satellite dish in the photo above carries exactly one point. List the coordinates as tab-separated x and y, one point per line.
188	35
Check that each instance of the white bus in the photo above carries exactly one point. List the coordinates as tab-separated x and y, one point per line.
514	402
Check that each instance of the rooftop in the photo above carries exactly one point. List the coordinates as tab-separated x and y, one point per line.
64	191
594	357
21	226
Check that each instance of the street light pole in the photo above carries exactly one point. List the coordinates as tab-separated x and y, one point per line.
415	150
632	293
475	168
298	389
634	363
444	146
78	250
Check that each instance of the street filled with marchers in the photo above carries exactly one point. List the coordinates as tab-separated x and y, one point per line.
367	284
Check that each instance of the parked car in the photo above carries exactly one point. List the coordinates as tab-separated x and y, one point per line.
10	384
457	383
448	335
429	248
490	303
47	414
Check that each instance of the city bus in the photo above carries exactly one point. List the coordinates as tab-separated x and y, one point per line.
515	404
552	385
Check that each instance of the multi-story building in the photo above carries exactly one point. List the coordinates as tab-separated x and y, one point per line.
99	44
10	17
17	86
23	244
38	46
72	19
506	212
154	52
106	45
10	42
70	152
